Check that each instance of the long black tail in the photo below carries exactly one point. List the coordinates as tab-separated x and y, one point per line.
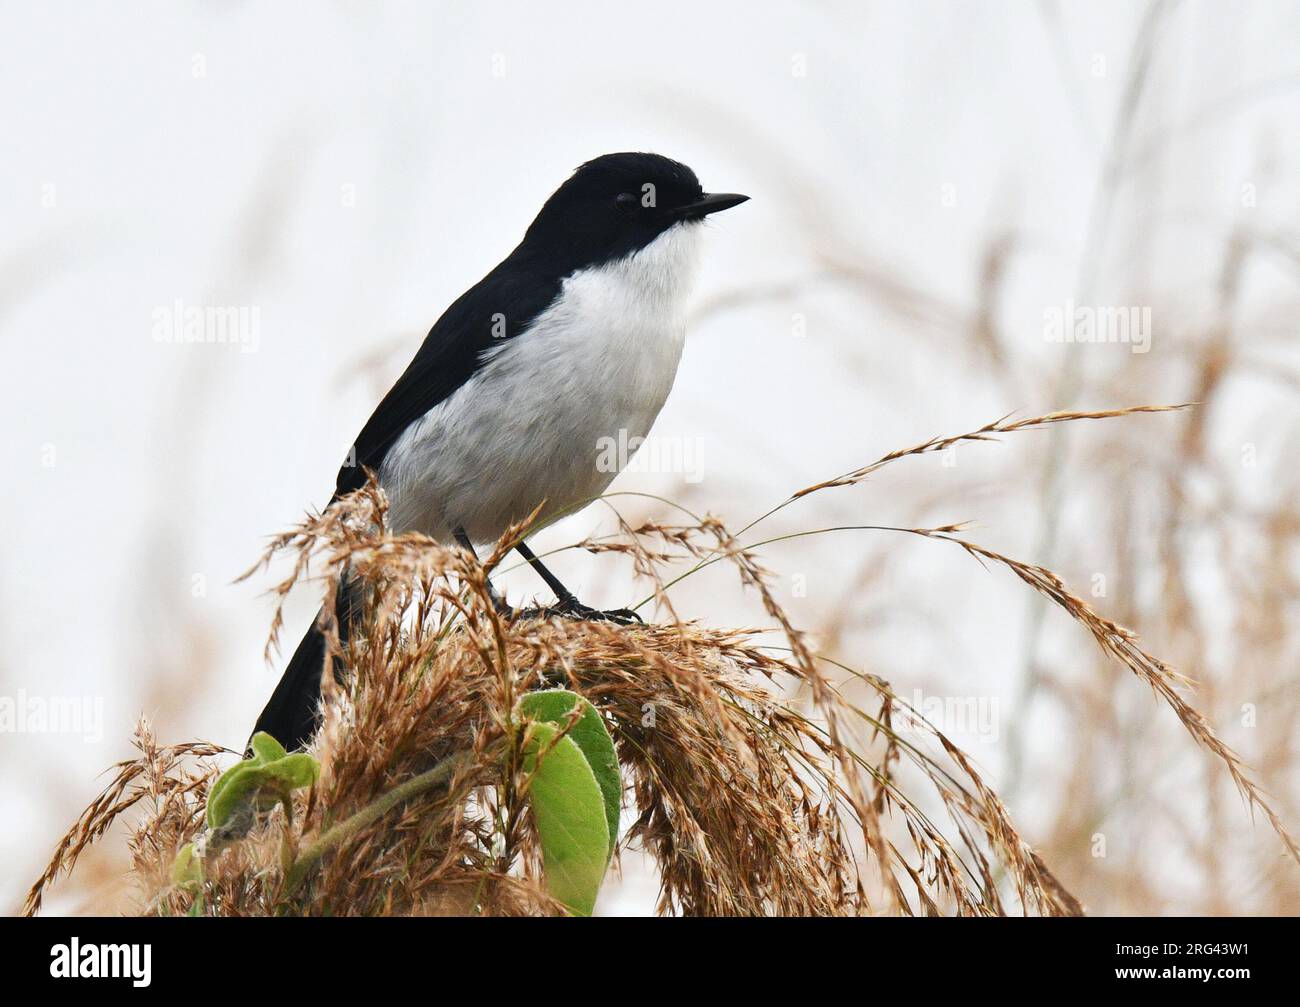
292	714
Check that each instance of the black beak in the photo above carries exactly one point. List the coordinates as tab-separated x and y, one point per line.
710	202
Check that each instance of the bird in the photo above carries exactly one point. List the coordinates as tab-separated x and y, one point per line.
575	336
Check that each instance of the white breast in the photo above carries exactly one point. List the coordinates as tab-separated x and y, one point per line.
528	426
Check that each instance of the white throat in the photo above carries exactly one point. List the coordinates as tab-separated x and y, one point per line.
663	273
610	306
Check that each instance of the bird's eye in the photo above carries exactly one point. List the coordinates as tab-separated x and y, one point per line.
626	202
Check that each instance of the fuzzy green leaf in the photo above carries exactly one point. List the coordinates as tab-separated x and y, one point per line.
237	786
187	868
266	748
269	775
223	781
591	736
569	810
293	771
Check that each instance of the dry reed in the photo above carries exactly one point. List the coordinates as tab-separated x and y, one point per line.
747	803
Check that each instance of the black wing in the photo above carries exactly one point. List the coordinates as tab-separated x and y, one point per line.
500	306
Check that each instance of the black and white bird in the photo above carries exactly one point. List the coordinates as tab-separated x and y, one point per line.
573	338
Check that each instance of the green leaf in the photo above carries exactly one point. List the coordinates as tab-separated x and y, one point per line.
236	788
223	781
270	775
590	735
187	868
266	748
569	810
293	771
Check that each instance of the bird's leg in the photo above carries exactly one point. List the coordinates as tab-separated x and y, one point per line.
566	603
498	602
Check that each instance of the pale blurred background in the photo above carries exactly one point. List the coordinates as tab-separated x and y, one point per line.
928	181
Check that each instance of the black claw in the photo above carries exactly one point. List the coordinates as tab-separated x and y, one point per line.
571	608
622	616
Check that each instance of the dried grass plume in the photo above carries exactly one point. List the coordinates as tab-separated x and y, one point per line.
752	783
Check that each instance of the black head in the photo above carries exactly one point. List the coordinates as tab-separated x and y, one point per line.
615	205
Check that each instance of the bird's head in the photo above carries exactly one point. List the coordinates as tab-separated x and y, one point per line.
616	205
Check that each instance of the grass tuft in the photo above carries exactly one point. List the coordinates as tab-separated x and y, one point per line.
754	785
